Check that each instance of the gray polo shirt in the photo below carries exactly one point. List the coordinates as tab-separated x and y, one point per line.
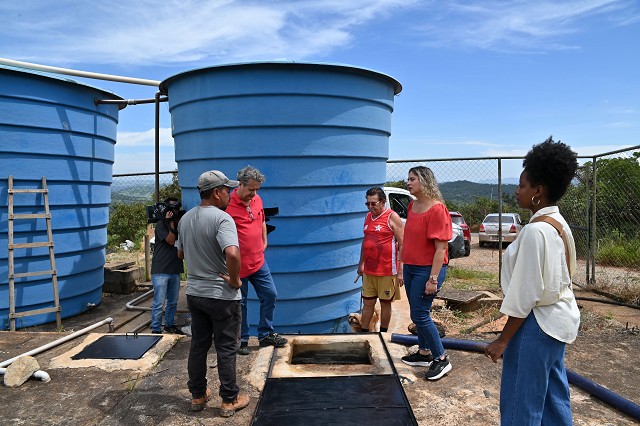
203	234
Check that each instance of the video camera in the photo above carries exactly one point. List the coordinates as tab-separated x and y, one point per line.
158	212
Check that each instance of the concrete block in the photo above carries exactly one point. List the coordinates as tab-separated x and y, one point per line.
121	277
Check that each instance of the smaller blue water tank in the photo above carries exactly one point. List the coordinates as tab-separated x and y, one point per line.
50	126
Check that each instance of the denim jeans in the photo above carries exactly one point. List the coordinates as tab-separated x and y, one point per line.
266	291
217	321
165	287
534	389
415	282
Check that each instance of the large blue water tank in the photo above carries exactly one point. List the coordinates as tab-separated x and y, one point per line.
320	134
50	126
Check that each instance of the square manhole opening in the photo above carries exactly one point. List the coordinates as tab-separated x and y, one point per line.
331	353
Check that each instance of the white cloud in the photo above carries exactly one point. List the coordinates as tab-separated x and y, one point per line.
146	32
621	125
505	152
135	152
144	139
142	162
520	25
597	149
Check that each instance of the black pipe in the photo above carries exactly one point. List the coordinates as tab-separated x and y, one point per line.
609	302
628	407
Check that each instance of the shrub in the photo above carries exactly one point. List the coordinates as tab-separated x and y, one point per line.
126	222
619	252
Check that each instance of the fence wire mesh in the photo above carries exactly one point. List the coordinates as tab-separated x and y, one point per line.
602	207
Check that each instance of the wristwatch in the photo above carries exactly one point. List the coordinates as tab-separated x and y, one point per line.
433	278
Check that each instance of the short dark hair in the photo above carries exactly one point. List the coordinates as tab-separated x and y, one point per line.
168	200
376	190
204	195
552	165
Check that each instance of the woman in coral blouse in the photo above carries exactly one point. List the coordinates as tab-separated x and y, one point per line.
424	253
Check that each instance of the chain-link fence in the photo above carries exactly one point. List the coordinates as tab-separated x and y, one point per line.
138	187
615	222
602	207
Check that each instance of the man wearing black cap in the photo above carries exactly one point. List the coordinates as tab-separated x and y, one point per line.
208	241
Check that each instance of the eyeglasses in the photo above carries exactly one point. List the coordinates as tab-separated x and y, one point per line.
371	204
250	213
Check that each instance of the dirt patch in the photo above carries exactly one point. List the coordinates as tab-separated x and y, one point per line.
605	352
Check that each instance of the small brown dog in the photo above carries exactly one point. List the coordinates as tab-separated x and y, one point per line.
356	325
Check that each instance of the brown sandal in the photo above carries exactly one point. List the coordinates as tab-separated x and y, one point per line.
198	404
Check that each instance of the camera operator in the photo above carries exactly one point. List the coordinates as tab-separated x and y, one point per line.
166	268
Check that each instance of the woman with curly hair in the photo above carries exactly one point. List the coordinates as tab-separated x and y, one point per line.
538	299
424	253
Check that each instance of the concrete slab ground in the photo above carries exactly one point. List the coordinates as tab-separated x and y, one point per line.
156	394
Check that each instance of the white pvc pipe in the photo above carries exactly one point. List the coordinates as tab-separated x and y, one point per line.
39	375
57	342
132	304
85	74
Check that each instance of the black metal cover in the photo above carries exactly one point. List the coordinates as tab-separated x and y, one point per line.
118	347
373	400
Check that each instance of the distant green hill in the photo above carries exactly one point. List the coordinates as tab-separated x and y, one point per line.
464	191
460	192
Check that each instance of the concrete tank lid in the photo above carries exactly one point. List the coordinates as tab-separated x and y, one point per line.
397	87
56	77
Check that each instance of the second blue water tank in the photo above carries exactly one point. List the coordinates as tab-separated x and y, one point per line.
320	134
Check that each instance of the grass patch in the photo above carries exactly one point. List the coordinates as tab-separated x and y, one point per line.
468	279
619	252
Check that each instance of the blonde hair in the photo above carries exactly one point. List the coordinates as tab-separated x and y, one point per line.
428	182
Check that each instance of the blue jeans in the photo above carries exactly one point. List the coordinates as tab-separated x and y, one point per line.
213	321
165	287
266	291
534	388
415	282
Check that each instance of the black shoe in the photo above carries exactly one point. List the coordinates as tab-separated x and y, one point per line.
244	348
156	332
438	368
173	330
418	360
273	339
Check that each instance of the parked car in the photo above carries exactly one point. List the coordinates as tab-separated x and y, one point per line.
457	218
511	227
398	200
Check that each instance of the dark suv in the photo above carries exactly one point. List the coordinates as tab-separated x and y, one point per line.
457	218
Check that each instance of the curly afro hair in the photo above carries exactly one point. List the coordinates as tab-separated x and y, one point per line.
553	165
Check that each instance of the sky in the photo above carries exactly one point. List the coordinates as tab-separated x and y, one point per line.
480	78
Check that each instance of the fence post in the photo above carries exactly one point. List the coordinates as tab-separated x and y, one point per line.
147	258
593	236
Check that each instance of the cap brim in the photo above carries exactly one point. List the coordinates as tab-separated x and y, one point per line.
232	183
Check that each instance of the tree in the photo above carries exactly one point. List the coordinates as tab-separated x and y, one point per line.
126	222
171	190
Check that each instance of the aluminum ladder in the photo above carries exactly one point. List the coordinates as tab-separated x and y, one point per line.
12	246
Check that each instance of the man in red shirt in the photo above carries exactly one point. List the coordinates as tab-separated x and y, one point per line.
380	264
247	211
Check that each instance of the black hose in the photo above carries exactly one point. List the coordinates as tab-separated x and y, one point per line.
604	394
609	302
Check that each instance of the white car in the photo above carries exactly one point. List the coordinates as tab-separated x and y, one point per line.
488	231
398	200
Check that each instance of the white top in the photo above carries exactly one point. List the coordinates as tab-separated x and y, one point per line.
535	277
